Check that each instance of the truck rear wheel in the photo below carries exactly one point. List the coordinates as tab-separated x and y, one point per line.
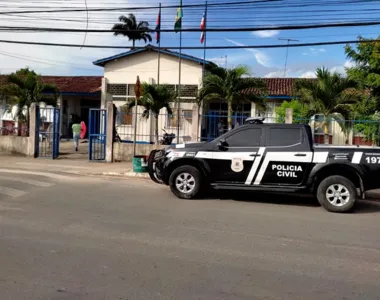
186	182
337	194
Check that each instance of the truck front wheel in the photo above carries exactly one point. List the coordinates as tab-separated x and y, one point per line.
337	194
186	182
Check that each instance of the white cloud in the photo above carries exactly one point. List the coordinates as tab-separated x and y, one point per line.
341	69
261	57
49	60
349	64
308	74
275	74
314	51
266	33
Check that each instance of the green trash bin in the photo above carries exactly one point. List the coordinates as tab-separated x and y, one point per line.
140	164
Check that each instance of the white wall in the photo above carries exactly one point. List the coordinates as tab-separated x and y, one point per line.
145	65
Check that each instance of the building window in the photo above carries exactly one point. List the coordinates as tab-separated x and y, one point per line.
187	114
117	89
121	91
126	115
188	91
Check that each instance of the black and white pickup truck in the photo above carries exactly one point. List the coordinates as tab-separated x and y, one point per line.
269	158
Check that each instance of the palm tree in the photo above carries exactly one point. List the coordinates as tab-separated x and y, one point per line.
232	86
24	88
133	30
330	95
154	97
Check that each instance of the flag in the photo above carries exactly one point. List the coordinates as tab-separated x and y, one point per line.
158	27
178	18
203	26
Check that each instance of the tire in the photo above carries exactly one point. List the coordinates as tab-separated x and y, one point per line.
345	198
188	174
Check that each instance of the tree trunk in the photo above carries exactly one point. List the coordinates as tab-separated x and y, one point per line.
229	120
133	44
326	133
156	127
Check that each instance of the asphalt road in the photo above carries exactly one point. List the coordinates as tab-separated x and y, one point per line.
69	237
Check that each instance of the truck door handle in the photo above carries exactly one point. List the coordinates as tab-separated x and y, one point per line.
255	155
299	154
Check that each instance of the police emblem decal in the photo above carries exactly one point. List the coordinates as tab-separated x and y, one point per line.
237	164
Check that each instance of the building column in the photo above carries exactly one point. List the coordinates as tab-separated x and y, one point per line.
110	130
60	105
289	116
103	98
33	136
253	109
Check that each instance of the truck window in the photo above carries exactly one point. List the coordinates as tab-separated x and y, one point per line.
285	136
245	138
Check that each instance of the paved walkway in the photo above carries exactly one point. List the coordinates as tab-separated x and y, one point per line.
77	165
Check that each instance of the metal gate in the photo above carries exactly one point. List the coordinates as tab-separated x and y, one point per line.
97	134
213	117
48	132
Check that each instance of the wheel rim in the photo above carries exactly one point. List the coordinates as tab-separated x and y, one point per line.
185	183
338	194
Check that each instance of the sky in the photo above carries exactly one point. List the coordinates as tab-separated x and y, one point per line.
301	62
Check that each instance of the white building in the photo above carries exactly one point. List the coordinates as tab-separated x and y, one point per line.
120	74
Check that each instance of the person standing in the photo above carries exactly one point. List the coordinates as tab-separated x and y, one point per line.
76	127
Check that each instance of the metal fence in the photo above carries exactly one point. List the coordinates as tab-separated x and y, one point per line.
215	124
150	128
343	132
14	131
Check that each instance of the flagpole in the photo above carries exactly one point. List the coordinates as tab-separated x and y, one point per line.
179	83
203	69
205	43
159	46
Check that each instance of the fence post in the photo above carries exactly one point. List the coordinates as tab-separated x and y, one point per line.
33	136
110	131
195	124
253	110
289	116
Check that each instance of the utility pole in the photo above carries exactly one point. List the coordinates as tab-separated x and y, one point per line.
287	49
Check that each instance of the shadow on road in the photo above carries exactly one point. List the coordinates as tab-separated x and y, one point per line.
363	206
294	199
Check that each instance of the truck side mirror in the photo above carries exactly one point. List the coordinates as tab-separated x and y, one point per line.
221	144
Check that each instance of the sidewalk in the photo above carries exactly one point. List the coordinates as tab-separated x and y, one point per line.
79	166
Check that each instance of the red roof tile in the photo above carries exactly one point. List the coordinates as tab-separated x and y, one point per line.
92	84
280	86
70	84
277	86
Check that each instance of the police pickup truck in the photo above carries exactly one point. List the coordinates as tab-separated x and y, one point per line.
269	158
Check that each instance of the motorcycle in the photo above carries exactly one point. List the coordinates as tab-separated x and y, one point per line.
167	138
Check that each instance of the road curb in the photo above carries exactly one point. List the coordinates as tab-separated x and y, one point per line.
123	174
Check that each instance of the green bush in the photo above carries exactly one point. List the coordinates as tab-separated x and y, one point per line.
300	112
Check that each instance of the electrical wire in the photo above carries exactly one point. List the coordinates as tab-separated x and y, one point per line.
242	29
135	8
198	47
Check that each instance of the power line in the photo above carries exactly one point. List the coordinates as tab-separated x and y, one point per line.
137	8
243	29
196	47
